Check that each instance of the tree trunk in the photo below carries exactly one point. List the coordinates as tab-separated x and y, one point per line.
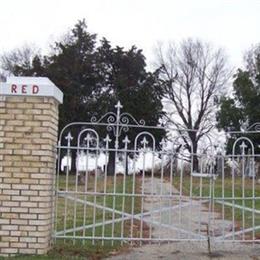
195	165
126	164
73	160
111	163
194	156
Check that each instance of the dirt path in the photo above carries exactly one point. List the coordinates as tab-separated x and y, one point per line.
182	218
189	251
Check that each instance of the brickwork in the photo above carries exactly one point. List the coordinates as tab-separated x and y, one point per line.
28	136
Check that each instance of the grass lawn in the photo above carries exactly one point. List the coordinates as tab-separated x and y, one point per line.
67	219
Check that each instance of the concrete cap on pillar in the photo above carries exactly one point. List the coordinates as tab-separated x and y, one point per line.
30	86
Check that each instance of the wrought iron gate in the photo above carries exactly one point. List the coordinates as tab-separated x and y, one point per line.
117	181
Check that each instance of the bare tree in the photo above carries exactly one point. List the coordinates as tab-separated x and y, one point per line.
192	76
252	61
13	61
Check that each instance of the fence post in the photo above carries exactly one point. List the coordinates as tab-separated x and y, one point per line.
28	136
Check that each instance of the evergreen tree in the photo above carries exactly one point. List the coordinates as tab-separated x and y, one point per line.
93	77
242	110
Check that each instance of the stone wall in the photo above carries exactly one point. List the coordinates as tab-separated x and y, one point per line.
28	136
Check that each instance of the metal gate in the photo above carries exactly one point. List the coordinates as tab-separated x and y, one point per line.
118	182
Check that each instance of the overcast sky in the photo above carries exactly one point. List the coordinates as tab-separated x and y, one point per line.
232	24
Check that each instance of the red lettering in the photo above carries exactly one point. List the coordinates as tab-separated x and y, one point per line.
14	89
24	89
35	89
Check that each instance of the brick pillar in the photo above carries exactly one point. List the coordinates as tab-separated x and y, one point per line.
28	136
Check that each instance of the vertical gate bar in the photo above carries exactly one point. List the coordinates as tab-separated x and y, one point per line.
233	196
210	210
253	196
200	194
85	196
88	139
171	191
243	194
142	198
223	195
105	191
53	197
190	198
152	191
118	106
66	189
180	198
75	202
133	198
123	195
95	194
114	203
161	190
213	201
57	190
